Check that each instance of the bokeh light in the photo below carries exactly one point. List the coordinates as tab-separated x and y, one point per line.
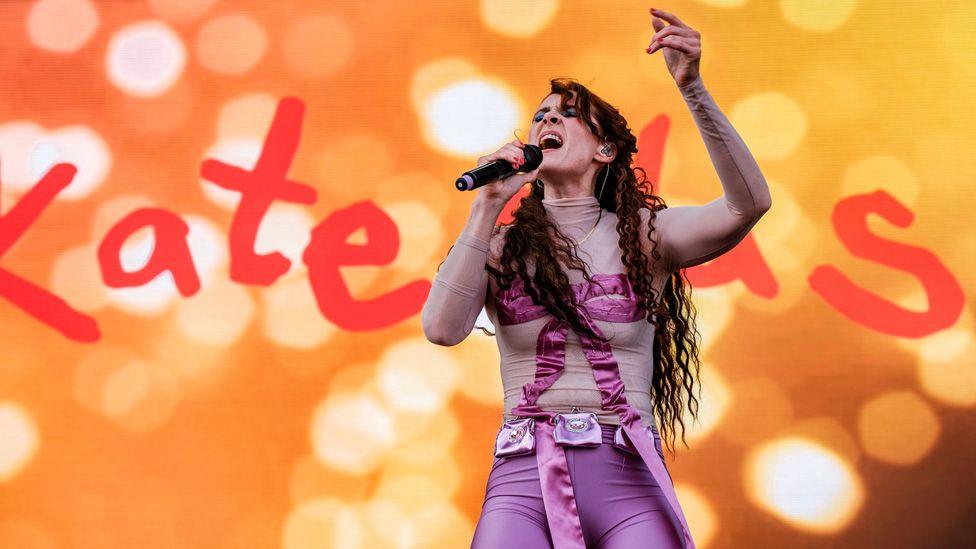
231	44
518	19
700	513
804	484
248	115
20	437
62	26
898	427
145	58
352	432
771	122
422	384
246	415
817	16
470	117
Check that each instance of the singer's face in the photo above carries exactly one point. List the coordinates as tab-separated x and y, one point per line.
576	147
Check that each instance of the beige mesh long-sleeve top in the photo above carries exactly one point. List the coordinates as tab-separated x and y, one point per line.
686	235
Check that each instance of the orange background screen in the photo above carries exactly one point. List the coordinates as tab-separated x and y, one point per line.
220	221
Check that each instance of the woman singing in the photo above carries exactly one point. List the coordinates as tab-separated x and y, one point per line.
594	321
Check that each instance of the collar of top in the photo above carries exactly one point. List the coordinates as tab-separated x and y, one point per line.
574	210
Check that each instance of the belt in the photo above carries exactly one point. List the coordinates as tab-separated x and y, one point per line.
514	306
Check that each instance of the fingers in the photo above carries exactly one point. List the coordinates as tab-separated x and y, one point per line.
669	17
518	156
656	40
678	43
512	152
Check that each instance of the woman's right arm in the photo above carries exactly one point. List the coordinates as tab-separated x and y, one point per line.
458	291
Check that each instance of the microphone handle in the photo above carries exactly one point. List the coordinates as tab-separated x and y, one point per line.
498	169
483	175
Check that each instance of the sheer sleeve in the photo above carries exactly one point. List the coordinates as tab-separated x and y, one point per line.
690	235
457	293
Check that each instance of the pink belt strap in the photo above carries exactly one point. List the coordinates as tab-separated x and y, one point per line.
514	306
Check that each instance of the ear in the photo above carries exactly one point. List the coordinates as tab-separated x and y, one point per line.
608	151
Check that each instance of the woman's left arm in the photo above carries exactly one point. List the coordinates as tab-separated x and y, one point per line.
690	235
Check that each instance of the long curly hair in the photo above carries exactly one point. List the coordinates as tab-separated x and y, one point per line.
625	191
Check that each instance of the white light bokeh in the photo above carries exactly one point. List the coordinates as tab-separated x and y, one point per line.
352	432
470	117
29	151
145	59
17	141
20	438
77	145
803	483
414	375
437	74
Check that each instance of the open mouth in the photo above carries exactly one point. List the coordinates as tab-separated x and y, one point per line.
550	141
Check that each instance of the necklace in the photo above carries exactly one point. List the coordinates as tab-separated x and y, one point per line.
578	242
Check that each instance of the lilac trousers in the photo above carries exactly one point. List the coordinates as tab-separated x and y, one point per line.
620	505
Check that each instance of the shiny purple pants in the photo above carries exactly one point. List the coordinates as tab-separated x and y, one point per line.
620	505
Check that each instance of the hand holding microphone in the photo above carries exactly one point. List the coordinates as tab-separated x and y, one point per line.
505	164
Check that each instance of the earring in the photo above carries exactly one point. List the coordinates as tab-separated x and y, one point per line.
517	135
538	183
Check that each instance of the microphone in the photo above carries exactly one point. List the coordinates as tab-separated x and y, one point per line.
498	169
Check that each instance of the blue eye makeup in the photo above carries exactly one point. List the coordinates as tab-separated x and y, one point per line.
570	112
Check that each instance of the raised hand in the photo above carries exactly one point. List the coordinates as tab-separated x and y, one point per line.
681	46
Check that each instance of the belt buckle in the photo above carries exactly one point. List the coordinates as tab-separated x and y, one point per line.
515	437
577	429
